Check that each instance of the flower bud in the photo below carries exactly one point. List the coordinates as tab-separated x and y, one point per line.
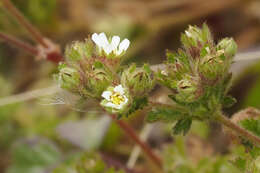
140	81
195	37
211	68
68	78
98	78
188	89
79	50
229	46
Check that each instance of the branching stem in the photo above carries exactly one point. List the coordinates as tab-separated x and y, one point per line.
23	21
239	130
18	43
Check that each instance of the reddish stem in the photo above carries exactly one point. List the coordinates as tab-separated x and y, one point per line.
18	43
23	21
131	133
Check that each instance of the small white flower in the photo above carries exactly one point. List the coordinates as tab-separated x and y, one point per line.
116	98
110	47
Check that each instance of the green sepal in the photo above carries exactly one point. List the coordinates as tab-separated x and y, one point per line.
137	104
182	126
228	101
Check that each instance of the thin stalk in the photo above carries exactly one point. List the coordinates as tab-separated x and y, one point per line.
146	148
18	43
23	21
137	150
239	130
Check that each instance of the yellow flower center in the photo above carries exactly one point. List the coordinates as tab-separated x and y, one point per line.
116	98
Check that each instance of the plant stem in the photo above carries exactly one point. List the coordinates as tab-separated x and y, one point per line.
146	148
239	130
18	43
136	150
23	21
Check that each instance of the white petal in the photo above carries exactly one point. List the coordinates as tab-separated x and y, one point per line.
126	100
96	39
123	46
108	49
119	89
103	39
119	106
115	42
106	95
112	105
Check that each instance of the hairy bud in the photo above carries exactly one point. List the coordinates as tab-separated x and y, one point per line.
97	79
68	78
79	50
229	46
140	81
188	89
195	38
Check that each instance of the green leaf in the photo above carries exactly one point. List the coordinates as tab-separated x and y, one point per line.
228	101
35	156
252	125
240	163
182	126
89	162
164	114
138	103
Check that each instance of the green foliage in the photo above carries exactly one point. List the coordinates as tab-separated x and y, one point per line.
253	125
247	159
33	156
182	126
137	104
85	163
176	159
163	114
228	101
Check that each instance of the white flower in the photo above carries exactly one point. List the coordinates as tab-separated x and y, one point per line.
110	47
116	98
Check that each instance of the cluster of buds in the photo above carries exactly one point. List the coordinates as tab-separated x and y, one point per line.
92	70
200	69
84	72
140	80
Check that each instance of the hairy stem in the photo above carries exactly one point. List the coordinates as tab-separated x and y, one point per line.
146	148
18	43
239	130
23	21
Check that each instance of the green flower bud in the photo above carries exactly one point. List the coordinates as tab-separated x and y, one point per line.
229	46
98	78
80	50
140	81
69	78
188	89
195	37
211	68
